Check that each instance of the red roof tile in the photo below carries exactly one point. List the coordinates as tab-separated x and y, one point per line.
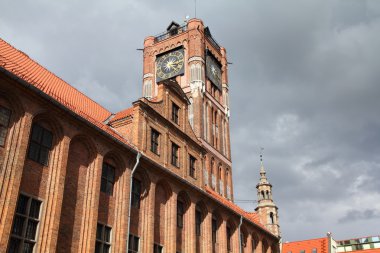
251	216
19	64
122	114
321	244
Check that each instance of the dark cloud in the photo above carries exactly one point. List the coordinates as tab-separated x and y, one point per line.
354	215
304	84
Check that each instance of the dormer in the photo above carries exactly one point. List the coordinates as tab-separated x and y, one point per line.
173	28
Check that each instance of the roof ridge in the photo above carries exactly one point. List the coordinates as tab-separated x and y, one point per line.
49	72
321	238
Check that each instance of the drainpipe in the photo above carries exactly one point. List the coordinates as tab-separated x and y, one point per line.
241	222
329	241
130	196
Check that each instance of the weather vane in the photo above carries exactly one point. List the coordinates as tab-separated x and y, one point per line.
261	154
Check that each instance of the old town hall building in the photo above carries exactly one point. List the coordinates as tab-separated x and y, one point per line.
156	177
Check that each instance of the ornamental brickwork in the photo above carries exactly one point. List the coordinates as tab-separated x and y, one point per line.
66	163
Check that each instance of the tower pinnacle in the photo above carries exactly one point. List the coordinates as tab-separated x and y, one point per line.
266	207
263	177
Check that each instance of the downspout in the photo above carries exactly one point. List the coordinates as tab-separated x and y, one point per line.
241	222
130	196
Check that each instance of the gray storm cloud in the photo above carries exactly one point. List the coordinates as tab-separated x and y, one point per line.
304	84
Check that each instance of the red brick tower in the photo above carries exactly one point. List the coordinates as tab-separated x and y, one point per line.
189	55
267	209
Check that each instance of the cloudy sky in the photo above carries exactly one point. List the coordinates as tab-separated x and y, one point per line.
305	85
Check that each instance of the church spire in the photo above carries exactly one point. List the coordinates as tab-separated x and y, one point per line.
266	207
263	177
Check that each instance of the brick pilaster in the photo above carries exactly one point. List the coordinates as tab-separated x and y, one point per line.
147	220
52	202
91	200
11	173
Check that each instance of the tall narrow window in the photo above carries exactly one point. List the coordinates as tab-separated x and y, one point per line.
205	120
271	217
213	231
192	162
5	115
191	113
133	242
253	244
103	239
242	241
229	235
40	144
198	226
157	248
175	112
175	152
148	89
216	143
213	177
198	221
213	127
136	193
180	213
221	185
25	224
154	141
108	179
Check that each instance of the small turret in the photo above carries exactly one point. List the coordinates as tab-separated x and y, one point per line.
266	207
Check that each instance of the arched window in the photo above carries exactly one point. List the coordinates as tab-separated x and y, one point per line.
148	89
206	173
262	195
267	194
213	126
180	213
221	185
41	141
243	241
191	112
214	229
199	75
196	72
192	73
271	218
160	218
5	115
229	238
205	121
213	173
227	183
136	193
253	245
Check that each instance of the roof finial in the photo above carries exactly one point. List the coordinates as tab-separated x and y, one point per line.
262	170
261	155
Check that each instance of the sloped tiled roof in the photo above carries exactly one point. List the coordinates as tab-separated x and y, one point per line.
253	217
321	244
122	114
19	64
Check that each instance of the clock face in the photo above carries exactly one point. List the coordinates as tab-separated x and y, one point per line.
213	71
169	65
